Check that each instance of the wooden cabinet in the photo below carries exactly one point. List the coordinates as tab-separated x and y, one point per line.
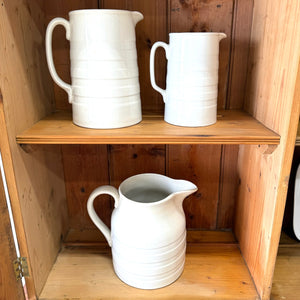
241	164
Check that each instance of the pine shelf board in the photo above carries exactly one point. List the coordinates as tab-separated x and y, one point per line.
212	271
232	127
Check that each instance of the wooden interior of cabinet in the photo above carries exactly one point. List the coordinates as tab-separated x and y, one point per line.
241	188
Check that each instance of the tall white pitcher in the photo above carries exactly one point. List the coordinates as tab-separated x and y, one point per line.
192	77
105	91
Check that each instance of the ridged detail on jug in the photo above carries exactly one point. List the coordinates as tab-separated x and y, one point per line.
149	282
149	268
122	112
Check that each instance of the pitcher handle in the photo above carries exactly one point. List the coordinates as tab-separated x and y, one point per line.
106	189
49	56
152	68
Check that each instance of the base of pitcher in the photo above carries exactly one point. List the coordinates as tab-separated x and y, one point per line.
187	124
107	125
189	115
149	282
103	116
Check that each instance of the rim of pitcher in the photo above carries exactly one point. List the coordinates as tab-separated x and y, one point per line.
94	10
121	187
125	182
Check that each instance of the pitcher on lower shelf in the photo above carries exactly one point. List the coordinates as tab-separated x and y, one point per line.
148	228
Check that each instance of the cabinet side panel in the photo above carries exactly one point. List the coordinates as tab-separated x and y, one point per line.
264	172
27	97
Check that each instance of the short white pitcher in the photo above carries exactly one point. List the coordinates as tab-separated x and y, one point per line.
148	228
192	77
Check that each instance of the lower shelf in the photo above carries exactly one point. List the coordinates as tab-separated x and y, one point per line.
212	270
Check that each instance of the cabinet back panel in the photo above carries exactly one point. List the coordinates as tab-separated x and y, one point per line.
160	18
213	206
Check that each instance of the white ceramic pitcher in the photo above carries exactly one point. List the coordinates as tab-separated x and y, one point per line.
105	91
148	229
192	77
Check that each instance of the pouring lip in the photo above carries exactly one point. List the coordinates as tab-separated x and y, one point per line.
171	194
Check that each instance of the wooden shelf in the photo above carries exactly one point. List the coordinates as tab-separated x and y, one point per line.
232	127
213	269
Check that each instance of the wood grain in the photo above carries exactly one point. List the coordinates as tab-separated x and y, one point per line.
201	165
85	168
272	74
211	271
232	127
129	160
206	16
35	178
240	44
228	186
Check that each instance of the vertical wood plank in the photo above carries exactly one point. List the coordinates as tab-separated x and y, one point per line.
196	16
60	45
128	160
151	29
228	186
241	31
201	165
203	15
85	168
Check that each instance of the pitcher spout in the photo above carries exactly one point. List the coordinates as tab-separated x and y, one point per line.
137	16
184	189
222	36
